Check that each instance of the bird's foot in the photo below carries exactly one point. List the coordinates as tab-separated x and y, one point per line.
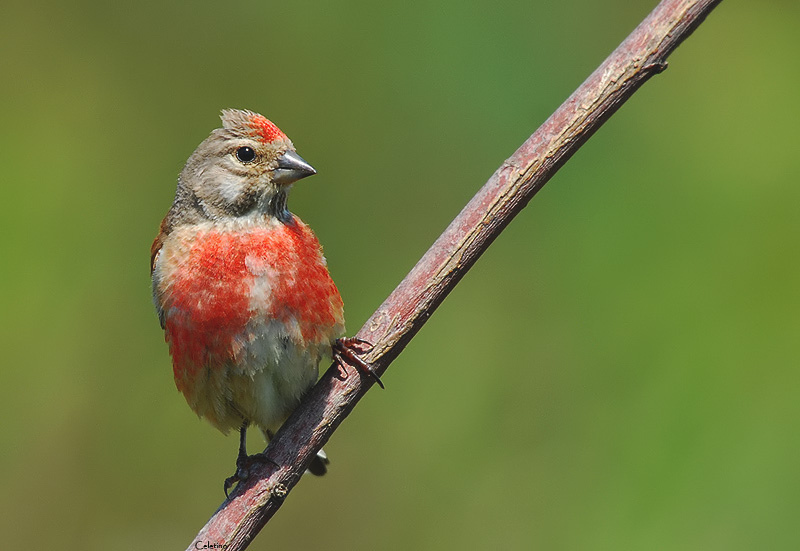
349	348
244	464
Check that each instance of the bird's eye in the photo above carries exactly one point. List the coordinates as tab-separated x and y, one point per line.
245	154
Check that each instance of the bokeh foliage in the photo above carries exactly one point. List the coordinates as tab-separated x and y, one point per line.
618	372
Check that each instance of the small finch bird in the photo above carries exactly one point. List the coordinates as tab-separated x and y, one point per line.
241	287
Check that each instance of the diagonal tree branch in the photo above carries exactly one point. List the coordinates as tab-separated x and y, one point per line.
642	55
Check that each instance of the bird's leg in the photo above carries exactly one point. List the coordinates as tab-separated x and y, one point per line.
243	461
349	348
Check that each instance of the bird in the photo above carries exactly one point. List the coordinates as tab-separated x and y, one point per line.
241	286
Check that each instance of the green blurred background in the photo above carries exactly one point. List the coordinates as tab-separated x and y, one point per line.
619	371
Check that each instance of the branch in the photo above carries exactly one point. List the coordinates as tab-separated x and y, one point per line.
642	55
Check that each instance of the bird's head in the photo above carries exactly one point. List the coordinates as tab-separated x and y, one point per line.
243	169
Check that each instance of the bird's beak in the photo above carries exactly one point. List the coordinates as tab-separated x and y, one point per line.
291	167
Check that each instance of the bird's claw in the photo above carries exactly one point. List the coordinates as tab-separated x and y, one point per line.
243	467
230	481
349	348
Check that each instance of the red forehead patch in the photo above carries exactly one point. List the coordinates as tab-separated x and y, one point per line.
266	129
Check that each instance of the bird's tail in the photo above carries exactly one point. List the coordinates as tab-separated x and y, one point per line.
319	465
